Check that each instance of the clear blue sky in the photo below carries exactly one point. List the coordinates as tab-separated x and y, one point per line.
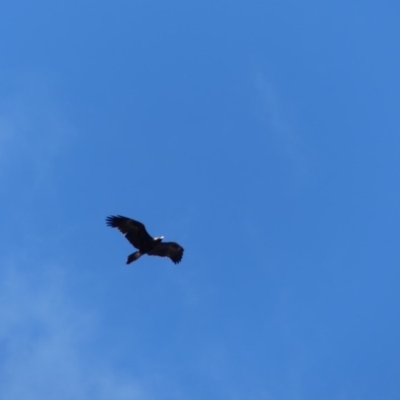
262	136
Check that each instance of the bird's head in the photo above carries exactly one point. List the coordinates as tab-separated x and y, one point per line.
158	238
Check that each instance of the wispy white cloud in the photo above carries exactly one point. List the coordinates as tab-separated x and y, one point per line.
44	338
33	130
287	140
46	334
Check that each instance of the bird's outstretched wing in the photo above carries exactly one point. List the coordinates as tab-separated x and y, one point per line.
133	230
168	249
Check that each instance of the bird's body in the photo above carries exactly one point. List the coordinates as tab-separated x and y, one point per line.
137	235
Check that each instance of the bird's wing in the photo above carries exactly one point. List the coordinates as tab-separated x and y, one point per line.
168	249
133	230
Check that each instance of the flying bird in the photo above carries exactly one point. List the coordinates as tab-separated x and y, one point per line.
138	237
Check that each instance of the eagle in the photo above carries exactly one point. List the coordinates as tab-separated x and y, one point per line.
138	237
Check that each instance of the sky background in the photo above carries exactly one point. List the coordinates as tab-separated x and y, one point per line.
264	137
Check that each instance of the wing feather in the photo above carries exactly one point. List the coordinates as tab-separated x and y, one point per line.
168	249
134	231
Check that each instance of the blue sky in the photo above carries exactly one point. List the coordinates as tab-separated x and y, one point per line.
263	137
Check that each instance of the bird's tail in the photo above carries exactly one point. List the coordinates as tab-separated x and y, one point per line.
133	257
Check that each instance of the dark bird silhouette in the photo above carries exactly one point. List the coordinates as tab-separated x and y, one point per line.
138	237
